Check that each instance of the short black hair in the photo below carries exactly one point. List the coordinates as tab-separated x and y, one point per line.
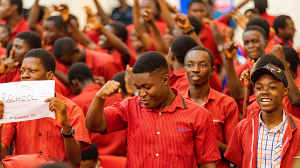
31	38
291	56
64	46
269	58
151	62
119	29
8	48
47	59
257	28
197	1
80	71
261	5
58	21
211	56
6	26
253	10
91	153
195	23
19	3
261	22
280	22
120	77
181	45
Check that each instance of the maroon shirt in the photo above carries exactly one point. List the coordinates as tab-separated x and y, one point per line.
181	135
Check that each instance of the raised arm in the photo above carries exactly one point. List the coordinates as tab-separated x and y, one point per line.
104	18
95	118
33	17
248	87
236	88
166	14
159	42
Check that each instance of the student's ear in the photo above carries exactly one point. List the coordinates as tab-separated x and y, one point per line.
285	91
213	69
50	75
266	43
14	8
166	79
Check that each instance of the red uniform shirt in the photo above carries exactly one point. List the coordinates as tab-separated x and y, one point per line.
173	137
242	149
2	51
33	160
93	35
225	115
43	136
15	76
21	27
179	80
269	18
276	40
110	144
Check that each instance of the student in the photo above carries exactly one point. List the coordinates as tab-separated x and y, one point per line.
123	13
285	32
83	86
24	42
251	13
66	52
11	12
164	130
261	6
269	136
5	36
90	157
44	135
199	68
54	28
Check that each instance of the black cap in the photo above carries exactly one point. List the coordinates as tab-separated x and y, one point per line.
272	70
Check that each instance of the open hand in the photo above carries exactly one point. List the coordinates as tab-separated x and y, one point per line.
8	64
239	18
64	10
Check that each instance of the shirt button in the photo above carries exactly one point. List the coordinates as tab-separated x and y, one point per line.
40	152
158	133
156	154
40	134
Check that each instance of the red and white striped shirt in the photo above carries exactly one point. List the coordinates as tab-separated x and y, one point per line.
181	135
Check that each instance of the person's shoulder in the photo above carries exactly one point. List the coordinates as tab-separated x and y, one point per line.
195	108
223	97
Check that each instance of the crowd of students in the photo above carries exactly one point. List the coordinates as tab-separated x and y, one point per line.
151	84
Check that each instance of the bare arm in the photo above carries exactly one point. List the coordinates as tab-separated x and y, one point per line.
208	165
95	118
101	13
33	17
248	87
166	15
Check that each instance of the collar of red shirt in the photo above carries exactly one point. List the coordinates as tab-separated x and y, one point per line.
279	41
179	102
180	72
91	87
88	58
204	31
211	95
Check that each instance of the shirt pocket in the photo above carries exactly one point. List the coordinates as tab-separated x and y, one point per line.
55	146
182	143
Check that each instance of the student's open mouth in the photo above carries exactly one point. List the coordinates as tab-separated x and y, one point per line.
265	101
195	77
145	102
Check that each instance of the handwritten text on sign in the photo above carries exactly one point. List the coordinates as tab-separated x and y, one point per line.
25	100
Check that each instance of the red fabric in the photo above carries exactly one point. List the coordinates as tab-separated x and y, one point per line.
2	51
276	40
107	161
223	19
242	149
225	113
43	136
21	26
15	76
215	83
179	80
173	137
208	41
33	160
110	144
269	18
93	35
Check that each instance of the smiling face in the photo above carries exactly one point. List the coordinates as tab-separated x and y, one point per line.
198	67
152	88
254	44
33	69
269	92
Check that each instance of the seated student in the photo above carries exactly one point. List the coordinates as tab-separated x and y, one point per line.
54	139
269	136
11	12
164	130
66	52
5	38
83	86
199	67
285	32
90	158
24	42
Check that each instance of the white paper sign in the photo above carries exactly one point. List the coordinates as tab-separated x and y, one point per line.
24	100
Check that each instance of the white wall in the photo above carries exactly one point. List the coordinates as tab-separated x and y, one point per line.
276	7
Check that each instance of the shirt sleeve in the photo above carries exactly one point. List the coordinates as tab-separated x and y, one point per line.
232	120
234	151
116	116
8	131
206	141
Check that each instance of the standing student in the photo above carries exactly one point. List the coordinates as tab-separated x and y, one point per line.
199	68
164	129
269	136
54	139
